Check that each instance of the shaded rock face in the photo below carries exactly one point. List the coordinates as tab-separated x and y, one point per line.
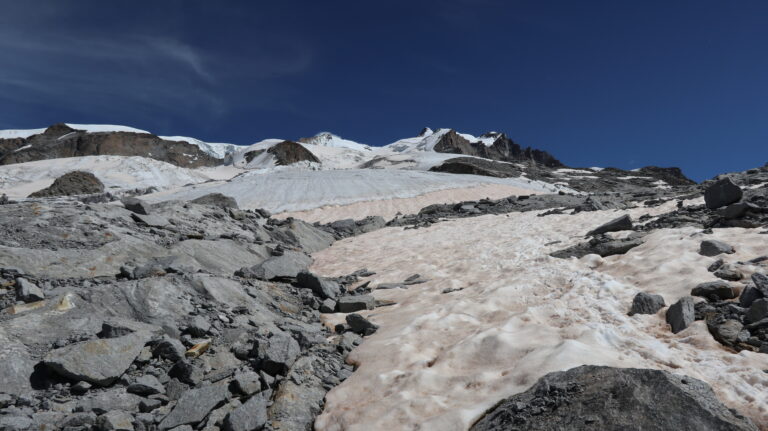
72	183
473	166
503	149
59	141
594	398
289	152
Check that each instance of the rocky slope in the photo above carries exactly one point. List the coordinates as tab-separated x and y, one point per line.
61	140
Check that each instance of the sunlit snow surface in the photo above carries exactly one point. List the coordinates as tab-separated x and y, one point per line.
116	172
439	360
296	190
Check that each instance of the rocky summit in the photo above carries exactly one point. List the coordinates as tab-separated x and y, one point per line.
163	284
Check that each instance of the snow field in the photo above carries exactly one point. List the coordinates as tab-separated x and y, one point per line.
439	360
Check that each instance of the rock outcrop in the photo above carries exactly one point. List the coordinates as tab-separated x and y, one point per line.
60	141
72	183
604	398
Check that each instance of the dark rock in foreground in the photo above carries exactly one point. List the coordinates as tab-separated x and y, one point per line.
72	183
681	314
622	223
604	398
646	303
721	193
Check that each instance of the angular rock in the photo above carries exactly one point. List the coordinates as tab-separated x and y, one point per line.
726	332
252	415
279	354
15	423
713	247
361	325
216	199
328	306
350	304
100	361
622	223
761	283
28	291
321	286
749	295
758	310
714	266
194	406
146	385
151	220
289	265
721	193
681	314
640	399
170	349
198	326
728	272
247	383
137	206
646	303
715	290
115	421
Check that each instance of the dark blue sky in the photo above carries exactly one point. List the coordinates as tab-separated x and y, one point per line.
597	83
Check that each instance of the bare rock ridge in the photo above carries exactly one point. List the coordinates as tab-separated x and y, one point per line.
60	141
502	149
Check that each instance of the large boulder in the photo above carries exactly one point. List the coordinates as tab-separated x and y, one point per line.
646	303
605	398
99	361
721	193
713	247
323	287
681	314
621	223
287	265
72	183
217	200
194	406
715	290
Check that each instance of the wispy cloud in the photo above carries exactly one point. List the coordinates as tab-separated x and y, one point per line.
149	69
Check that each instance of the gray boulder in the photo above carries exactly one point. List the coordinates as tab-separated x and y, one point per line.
115	421
288	265
280	353
217	200
28	291
350	304
360	325
681	314
137	206
15	423
728	272
605	398
646	303
749	295
622	223
247	383
726	332
320	286
252	415
194	405
713	247
146	385
761	283
757	311
170	349
198	326
150	220
100	361
715	290
721	193
328	306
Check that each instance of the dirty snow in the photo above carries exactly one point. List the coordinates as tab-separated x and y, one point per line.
439	360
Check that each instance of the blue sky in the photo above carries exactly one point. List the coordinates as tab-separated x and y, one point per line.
597	83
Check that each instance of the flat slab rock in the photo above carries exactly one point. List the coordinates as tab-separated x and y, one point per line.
605	398
99	361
